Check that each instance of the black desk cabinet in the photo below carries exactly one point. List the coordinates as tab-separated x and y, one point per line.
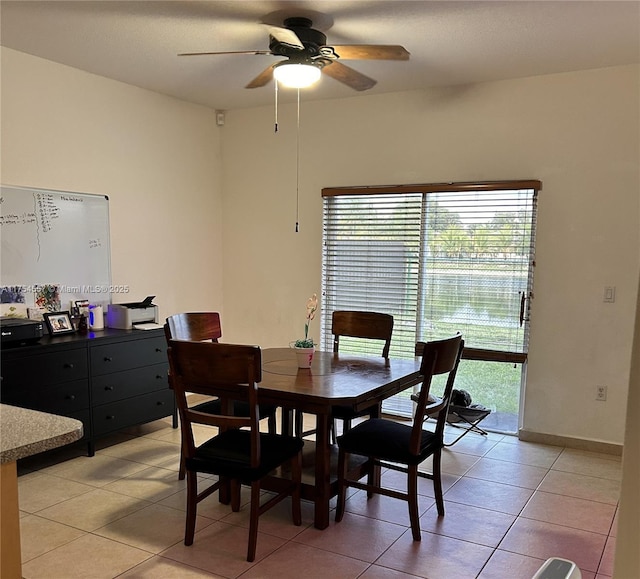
109	380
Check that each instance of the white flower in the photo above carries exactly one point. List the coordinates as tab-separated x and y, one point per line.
312	306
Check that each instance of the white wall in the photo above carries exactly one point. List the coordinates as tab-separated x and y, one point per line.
577	133
157	158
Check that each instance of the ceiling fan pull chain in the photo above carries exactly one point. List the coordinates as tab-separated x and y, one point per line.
298	162
276	125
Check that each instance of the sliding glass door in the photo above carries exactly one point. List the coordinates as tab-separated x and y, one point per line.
440	259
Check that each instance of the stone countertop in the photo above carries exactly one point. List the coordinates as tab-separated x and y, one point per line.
26	432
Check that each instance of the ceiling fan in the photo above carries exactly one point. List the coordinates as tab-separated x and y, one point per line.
306	47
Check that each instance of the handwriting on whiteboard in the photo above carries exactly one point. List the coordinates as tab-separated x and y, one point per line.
17	219
46	210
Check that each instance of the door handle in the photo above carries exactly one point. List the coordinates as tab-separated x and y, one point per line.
525	302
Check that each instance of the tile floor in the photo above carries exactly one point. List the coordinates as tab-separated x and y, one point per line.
509	506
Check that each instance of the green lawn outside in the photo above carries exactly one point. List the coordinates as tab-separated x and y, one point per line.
495	385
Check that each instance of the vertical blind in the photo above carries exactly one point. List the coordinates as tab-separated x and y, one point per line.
370	262
440	258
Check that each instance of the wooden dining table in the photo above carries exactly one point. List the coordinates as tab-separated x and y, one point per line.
332	380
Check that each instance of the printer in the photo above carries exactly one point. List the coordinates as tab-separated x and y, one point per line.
127	316
17	331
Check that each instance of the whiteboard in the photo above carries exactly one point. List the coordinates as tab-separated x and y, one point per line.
55	238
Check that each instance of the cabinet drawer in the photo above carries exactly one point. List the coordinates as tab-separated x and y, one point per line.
45	369
57	399
136	410
126	355
118	385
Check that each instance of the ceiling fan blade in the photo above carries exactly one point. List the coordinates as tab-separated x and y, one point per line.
262	79
371	52
286	36
228	52
346	75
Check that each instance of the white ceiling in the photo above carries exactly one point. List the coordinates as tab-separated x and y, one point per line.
451	42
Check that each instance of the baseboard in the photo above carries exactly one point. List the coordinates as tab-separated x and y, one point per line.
570	442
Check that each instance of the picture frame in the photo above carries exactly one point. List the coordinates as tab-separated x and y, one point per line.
81	307
58	323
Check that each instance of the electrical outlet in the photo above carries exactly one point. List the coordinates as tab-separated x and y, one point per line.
601	393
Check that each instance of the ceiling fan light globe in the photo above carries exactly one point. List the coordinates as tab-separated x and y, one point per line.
296	75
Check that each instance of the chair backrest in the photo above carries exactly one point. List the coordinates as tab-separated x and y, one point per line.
194	326
369	325
438	357
228	371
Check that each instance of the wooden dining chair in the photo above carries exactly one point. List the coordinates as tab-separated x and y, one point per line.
400	446
205	326
361	325
239	453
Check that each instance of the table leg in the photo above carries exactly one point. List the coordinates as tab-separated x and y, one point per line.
224	492
323	472
287	421
10	556
376	472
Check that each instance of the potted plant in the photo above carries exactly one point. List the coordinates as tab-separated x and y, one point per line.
305	347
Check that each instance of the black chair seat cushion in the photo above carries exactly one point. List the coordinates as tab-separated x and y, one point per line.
239	408
229	454
387	440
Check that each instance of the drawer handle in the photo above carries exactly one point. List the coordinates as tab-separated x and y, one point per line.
108	388
159	350
69	365
108	359
159	377
110	417
159	403
70	397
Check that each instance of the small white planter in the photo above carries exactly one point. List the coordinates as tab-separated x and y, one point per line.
305	356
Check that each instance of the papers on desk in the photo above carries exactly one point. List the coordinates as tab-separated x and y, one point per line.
147	326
